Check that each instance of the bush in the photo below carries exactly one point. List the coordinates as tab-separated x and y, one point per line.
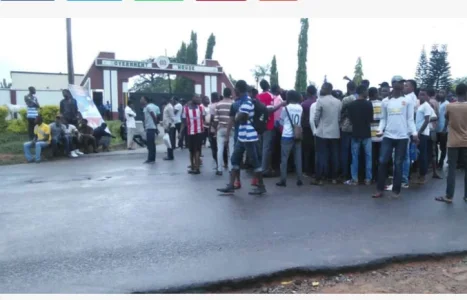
114	127
49	112
17	126
23	113
3	115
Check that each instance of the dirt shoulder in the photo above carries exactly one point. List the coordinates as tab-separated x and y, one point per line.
446	275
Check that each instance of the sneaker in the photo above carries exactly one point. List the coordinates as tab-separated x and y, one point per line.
237	185
350	182
73	154
388	187
281	183
258	191
79	152
149	162
405	185
254	182
367	182
219	173
229	189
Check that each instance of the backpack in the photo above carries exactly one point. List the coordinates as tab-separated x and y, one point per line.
261	117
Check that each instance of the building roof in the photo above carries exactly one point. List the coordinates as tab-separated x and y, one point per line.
42	73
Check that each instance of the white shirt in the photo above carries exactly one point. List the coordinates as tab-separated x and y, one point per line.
424	110
397	118
178	116
295	111
71	129
130	117
312	118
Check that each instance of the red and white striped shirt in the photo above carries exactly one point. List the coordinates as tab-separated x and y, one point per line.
194	119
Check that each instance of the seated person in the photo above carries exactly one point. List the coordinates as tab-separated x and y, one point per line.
74	136
41	140
86	136
59	138
103	137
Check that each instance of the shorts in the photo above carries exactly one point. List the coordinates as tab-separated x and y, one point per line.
194	142
252	151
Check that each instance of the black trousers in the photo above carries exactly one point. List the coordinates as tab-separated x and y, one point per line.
308	151
213	143
442	140
31	125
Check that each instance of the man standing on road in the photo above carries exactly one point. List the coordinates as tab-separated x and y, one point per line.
267	98
194	115
130	125
308	134
168	121
409	89
327	120
397	119
178	107
151	111
360	114
32	110
457	141
247	141
346	128
422	121
69	108
441	132
221	122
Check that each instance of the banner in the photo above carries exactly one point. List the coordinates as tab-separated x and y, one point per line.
86	106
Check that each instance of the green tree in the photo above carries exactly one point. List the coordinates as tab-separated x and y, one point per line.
301	76
181	54
151	83
422	69
458	81
182	84
358	72
210	46
439	70
4	84
274	73
192	49
260	72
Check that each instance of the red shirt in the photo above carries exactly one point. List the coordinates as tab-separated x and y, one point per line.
267	99
194	119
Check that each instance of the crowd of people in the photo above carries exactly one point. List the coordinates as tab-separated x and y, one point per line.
363	136
69	133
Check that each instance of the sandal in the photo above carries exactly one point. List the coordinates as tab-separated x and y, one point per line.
444	199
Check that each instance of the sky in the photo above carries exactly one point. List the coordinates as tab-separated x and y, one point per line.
387	47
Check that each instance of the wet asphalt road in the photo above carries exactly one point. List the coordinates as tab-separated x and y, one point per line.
113	225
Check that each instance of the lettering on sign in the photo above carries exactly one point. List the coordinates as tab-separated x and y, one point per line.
125	64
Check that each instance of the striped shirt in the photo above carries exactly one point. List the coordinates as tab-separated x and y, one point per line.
222	113
376	119
32	104
194	118
246	132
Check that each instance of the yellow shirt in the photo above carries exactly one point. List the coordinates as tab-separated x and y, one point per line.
41	131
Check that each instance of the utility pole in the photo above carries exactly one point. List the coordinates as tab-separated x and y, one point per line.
168	77
69	52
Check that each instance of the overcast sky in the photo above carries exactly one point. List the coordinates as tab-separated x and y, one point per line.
387	46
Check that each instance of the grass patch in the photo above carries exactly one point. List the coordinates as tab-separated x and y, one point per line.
11	143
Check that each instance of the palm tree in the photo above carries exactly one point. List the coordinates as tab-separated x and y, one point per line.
69	52
260	72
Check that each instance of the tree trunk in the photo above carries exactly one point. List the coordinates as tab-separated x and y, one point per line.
69	48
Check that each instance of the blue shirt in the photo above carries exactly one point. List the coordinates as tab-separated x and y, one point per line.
442	116
246	132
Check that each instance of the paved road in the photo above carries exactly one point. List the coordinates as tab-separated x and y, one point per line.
113	225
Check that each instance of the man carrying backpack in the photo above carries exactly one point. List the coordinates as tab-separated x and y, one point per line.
247	141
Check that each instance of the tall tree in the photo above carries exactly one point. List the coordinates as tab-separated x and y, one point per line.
4	84
181	54
192	49
455	83
182	84
210	46
69	53
274	72
422	69
358	72
301	77
151	83
260	72
439	70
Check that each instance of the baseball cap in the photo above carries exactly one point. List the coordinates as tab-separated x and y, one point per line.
397	78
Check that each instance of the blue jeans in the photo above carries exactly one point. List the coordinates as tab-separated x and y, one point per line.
65	140
406	165
387	146
423	157
151	144
324	149
27	150
252	152
367	146
346	140
267	141
287	145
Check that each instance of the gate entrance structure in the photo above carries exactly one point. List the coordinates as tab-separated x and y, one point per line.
109	76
